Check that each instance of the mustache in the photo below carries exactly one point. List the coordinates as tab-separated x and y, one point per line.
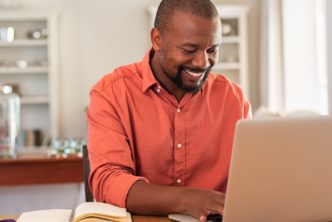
195	70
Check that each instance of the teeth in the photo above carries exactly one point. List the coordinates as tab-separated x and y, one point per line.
194	74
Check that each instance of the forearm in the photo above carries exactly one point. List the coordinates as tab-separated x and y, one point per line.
151	199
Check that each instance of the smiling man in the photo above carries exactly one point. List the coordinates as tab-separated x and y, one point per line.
161	130
186	47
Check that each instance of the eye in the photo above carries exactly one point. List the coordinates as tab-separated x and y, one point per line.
212	50
188	51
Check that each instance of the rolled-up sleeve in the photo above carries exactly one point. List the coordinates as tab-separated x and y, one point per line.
111	159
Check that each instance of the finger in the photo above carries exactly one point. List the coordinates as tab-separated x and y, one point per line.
202	218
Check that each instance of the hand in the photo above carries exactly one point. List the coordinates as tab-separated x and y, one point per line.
165	200
200	203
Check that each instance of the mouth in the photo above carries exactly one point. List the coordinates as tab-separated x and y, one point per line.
194	74
190	79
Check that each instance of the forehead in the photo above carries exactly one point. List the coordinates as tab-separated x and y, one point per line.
185	27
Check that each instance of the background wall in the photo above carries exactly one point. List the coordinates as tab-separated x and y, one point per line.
97	36
329	50
301	57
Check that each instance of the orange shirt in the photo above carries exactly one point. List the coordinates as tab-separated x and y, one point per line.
137	130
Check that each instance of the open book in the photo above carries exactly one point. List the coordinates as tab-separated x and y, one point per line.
85	212
182	218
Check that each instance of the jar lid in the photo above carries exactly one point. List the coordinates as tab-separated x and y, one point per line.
6	89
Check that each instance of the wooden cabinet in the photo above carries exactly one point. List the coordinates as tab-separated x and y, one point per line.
22	171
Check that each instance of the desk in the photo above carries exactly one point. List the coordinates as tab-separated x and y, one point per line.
135	218
22	171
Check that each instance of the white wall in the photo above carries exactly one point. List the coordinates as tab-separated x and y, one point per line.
329	50
97	36
299	55
304	56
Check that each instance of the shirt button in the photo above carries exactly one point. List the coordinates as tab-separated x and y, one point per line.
179	180
179	145
178	110
158	89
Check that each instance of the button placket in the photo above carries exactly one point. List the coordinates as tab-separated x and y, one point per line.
179	145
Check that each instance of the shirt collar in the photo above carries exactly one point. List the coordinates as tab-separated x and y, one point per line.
147	74
148	77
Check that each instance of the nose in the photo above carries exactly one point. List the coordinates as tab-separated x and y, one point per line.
201	60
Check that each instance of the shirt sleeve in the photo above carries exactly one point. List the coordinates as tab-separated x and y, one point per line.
111	159
245	105
246	110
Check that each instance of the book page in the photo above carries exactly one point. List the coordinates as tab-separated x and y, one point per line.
182	218
98	219
54	215
100	210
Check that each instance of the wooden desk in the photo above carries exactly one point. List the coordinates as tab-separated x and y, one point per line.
41	171
135	218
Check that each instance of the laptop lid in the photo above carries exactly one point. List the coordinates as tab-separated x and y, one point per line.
281	170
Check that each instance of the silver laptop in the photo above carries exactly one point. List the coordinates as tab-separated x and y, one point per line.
281	170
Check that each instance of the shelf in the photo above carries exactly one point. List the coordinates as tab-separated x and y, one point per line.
18	15
38	82
24	42
28	70
227	66
33	100
230	39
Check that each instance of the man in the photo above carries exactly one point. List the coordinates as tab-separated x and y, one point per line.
161	130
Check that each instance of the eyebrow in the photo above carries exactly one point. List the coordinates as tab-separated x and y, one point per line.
194	46
188	45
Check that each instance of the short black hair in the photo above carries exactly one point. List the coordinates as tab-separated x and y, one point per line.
166	9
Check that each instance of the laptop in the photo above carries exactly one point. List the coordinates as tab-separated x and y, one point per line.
281	170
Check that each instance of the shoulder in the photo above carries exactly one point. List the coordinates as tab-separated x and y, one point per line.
219	83
118	78
222	90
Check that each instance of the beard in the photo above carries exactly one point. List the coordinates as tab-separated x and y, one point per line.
178	81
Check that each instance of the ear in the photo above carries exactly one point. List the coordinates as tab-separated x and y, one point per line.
156	39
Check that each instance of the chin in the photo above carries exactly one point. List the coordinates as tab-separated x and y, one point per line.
192	89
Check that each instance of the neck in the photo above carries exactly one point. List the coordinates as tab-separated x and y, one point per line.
164	80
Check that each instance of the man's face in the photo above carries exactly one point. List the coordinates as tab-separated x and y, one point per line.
189	47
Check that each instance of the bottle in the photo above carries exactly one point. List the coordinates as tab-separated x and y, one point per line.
9	121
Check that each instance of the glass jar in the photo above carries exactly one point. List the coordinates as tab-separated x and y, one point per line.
9	121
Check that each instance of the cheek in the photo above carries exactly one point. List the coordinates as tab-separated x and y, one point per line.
172	59
183	60
168	64
177	60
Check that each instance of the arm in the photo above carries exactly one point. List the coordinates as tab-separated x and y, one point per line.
151	199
